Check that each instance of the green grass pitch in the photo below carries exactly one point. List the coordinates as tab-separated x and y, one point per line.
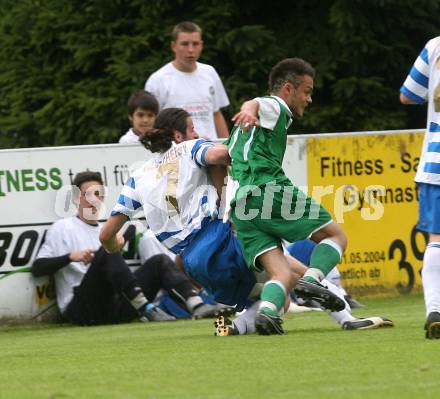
315	359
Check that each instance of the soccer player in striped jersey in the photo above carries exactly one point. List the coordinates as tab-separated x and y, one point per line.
181	206
421	86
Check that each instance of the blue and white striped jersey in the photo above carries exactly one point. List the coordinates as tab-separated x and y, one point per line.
175	192
423	85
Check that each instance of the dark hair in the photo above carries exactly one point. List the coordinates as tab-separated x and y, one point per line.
84	177
289	69
187	27
161	136
142	99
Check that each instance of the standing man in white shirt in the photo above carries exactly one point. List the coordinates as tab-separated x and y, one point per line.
421	86
191	85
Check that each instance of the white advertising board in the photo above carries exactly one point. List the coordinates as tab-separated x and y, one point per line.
34	192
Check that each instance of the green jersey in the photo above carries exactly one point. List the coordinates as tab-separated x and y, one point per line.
257	155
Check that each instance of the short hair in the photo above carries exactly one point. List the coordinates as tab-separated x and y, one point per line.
289	69
84	177
187	27
142	99
161	136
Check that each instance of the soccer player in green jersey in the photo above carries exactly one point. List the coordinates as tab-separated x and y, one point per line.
266	207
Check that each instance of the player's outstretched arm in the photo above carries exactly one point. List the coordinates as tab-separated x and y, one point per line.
248	115
217	155
109	237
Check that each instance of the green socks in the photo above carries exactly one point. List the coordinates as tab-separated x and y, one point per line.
325	257
273	298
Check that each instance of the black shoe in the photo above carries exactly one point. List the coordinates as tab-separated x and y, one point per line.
317	292
310	303
354	304
268	325
206	310
367	323
153	313
432	326
224	327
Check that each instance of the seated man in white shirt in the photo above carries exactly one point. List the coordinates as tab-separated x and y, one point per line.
94	287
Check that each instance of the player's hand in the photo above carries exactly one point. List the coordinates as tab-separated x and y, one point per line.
85	256
245	120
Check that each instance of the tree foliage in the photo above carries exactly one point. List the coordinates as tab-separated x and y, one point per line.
67	67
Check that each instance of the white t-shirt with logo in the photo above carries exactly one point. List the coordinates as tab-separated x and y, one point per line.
63	237
200	93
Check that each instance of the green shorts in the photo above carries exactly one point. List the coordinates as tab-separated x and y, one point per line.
262	223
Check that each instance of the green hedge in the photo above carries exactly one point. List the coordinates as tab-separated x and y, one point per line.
67	67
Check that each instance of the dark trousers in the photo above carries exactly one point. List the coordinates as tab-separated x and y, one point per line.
100	299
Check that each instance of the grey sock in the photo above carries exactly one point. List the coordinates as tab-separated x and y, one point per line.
245	323
139	301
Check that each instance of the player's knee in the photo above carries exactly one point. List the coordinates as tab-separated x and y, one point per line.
161	261
340	237
343	241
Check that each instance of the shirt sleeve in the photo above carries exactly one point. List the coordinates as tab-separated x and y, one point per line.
128	202
52	241
269	112
198	152
416	83
49	266
220	97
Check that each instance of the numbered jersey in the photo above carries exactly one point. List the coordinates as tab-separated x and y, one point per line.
257	155
175	193
423	85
